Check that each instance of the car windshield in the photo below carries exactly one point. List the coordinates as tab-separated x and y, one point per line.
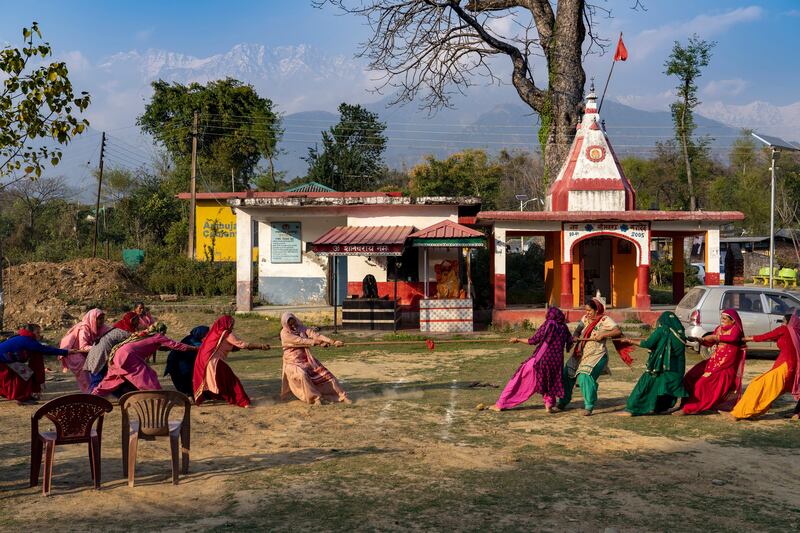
692	298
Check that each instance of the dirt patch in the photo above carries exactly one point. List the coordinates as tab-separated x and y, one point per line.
56	294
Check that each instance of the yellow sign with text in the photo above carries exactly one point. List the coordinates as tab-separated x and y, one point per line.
215	232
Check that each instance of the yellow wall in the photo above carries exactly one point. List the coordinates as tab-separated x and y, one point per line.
552	267
208	215
624	275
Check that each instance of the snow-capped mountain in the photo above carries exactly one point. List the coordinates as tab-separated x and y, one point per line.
762	116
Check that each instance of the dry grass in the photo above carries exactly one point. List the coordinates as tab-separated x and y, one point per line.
413	453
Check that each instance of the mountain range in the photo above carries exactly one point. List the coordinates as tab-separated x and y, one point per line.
307	85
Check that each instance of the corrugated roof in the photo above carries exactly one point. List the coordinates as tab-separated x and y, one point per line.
311	186
365	235
446	229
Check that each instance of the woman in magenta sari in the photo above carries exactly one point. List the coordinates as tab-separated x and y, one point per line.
79	340
540	373
710	383
127	363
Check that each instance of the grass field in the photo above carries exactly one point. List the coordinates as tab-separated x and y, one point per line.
413	453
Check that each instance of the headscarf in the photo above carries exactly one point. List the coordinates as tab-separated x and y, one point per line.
672	339
126	322
88	322
742	346
794	334
220	329
624	349
299	328
555	323
25	333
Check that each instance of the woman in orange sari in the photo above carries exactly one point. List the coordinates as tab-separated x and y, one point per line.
303	375
710	383
782	377
213	378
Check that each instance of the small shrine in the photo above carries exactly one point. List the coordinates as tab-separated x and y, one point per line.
596	242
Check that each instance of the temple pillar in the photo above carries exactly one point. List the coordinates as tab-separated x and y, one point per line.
499	277
678	276
643	287
712	257
566	300
244	261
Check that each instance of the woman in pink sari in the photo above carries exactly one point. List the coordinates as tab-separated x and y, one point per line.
213	378
79	339
542	371
127	363
303	375
712	382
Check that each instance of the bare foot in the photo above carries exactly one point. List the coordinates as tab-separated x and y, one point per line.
625	413
729	416
587	412
317	401
555	409
346	400
494	408
679	412
795	417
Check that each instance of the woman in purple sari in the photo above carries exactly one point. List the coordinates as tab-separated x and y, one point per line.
542	371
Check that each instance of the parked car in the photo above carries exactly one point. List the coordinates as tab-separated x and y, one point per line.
761	309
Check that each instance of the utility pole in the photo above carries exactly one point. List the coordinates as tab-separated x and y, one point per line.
233	183
193	186
99	186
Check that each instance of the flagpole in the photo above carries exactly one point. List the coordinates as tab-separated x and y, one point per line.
610	72
600	107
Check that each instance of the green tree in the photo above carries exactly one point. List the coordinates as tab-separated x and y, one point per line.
742	184
238	129
466	173
686	63
37	102
351	157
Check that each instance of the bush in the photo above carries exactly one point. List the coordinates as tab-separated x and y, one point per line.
184	277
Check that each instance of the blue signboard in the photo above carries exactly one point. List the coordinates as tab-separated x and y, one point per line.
286	246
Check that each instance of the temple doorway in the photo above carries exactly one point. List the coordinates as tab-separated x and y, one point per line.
596	271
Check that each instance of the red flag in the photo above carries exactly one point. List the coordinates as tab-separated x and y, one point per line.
622	53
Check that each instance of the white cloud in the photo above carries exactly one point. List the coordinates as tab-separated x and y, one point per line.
724	88
76	61
648	102
707	25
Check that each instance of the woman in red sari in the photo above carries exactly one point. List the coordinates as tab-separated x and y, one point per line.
213	378
22	366
711	382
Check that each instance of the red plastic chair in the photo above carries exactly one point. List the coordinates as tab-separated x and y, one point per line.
151	411
74	418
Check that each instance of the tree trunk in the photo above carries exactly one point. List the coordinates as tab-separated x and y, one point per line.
687	162
560	106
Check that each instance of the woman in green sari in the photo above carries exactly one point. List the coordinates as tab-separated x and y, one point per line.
661	385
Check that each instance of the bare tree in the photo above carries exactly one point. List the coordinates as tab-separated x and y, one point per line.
36	194
433	49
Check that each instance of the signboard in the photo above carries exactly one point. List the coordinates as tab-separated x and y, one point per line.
638	233
359	249
285	245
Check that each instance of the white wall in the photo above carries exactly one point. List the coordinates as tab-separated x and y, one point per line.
311	228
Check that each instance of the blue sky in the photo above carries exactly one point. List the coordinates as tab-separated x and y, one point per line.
754	58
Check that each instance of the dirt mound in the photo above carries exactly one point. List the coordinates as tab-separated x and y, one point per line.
56	294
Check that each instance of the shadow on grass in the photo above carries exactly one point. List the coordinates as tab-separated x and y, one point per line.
72	475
